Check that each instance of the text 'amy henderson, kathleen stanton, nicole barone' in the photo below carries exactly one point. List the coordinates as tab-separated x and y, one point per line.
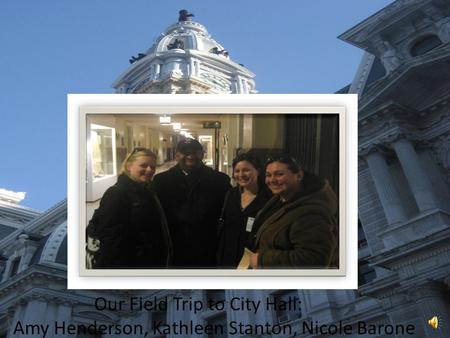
189	328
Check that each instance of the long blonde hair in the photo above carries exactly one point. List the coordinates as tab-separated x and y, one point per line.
133	156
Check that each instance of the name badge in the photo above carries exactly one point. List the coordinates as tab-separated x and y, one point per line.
249	225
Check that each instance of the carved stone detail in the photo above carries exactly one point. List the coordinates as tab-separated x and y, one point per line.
441	150
387	138
53	243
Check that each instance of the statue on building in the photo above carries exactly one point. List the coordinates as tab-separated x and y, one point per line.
176	44
444	29
136	58
185	16
216	50
389	56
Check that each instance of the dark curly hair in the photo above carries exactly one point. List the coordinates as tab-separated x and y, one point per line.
293	165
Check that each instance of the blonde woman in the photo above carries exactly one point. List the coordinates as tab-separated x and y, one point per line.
130	224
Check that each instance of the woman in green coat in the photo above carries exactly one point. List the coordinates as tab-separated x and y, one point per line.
299	224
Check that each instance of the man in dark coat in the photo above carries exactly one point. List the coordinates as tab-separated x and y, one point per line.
192	195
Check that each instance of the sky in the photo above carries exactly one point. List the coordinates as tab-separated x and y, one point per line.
50	48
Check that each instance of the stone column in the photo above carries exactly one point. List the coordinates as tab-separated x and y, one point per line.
142	318
16	314
240	316
63	314
171	312
157	72
196	69
431	301
34	313
191	69
5	266
384	184
244	86
415	174
239	88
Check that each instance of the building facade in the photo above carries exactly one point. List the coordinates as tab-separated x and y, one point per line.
404	193
404	130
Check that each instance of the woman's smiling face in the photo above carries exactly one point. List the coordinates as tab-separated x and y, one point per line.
245	174
282	181
142	169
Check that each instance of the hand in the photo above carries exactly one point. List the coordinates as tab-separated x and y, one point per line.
254	260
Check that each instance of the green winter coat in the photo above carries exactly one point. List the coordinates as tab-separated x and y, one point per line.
300	233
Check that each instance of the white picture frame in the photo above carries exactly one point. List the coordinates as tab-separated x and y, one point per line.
82	105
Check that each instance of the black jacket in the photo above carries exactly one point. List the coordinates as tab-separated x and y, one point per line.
192	204
131	227
234	236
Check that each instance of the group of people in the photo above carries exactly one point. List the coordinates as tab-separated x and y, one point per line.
278	216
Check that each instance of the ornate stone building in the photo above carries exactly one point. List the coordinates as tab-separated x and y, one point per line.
404	191
185	59
404	134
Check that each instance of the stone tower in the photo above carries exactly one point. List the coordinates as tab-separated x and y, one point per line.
185	59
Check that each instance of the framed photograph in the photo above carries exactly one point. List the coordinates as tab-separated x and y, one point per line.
314	131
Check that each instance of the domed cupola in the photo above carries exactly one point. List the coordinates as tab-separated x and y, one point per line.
185	59
188	35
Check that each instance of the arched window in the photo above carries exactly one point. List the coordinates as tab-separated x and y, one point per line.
14	266
425	44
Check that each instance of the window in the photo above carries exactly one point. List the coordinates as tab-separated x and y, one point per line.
102	141
215	295
159	317
425	44
366	273
286	305
14	266
219	323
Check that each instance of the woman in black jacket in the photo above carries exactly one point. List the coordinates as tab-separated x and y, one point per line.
241	205
130	224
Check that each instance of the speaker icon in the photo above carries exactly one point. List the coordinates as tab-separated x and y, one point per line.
434	322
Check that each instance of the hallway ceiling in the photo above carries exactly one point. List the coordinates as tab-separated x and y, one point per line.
192	122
